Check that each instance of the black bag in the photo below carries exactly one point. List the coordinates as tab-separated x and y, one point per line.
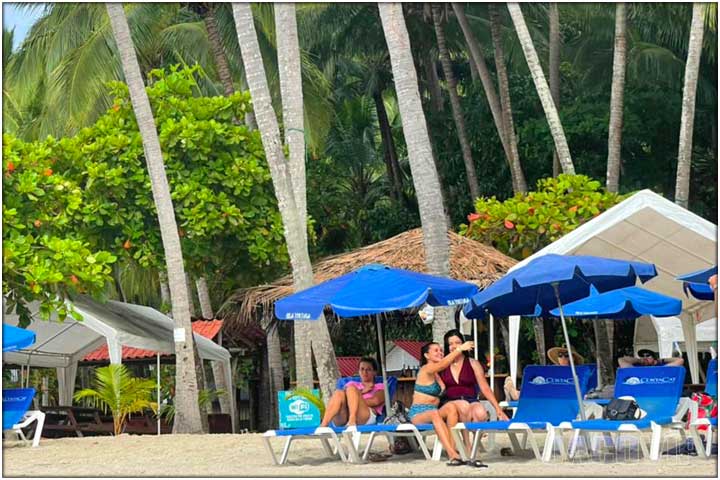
621	409
398	415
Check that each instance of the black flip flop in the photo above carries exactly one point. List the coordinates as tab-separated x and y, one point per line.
476	464
455	462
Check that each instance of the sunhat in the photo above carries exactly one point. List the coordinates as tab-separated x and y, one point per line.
555	351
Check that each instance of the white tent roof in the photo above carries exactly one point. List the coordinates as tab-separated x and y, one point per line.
118	324
659	334
649	228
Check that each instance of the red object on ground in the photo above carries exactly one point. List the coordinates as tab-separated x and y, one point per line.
206	328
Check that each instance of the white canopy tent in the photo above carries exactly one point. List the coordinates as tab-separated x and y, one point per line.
661	335
649	228
63	345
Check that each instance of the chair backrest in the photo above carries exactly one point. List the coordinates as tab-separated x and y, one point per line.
15	402
592	379
656	389
712	378
548	393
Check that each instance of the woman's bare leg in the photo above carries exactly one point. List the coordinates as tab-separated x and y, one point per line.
336	409
434	417
358	410
478	413
463	413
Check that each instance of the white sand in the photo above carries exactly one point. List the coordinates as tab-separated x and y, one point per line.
245	455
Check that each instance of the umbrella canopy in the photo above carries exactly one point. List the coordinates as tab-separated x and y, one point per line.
697	283
624	303
14	338
373	289
529	290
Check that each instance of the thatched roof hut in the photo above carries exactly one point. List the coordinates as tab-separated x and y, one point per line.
470	261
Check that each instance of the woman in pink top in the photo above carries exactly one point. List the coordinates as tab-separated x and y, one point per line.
359	403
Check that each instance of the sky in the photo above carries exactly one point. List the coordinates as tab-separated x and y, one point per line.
19	18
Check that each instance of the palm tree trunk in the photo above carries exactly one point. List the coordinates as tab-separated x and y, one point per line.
518	177
389	151
455	105
191	300
554	68
187	412
687	119
541	85
206	309
425	176
603	352
295	230
539	330
433	84
221	62
616	100
274	359
164	290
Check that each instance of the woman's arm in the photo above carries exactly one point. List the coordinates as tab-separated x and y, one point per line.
485	388
433	368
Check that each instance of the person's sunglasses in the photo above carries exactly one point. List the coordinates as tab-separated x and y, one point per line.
647	355
563	355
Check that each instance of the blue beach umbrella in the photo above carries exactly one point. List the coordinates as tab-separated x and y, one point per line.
14	338
697	283
550	281
622	304
371	290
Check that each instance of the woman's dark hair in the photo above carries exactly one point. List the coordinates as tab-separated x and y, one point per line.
371	361
453	333
425	349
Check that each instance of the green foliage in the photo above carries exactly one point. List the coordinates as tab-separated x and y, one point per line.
524	224
205	398
121	393
70	202
310	397
46	257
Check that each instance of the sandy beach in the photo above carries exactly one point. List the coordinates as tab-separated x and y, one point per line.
245	455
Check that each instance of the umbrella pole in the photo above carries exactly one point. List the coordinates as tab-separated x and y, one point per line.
381	352
570	357
158	392
492	353
475	338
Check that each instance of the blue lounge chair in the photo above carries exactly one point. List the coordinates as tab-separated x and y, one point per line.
547	400
657	391
16	416
328	436
417	433
704	448
587	374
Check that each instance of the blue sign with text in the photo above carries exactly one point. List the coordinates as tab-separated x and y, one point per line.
297	411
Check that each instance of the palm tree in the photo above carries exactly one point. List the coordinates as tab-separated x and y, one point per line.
295	234
455	105
616	100
554	67
687	119
117	390
542	88
478	59
519	182
188	419
417	138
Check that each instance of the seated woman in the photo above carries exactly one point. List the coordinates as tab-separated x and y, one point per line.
462	379
426	398
359	402
558	356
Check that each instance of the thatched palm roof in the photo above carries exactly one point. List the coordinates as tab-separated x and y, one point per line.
470	261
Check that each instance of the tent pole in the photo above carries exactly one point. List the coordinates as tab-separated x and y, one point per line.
381	351
492	353
570	357
158	392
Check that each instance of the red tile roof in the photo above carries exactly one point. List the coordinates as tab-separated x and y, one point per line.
206	328
348	366
411	346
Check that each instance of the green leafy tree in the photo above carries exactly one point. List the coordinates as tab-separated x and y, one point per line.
115	389
525	223
46	258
